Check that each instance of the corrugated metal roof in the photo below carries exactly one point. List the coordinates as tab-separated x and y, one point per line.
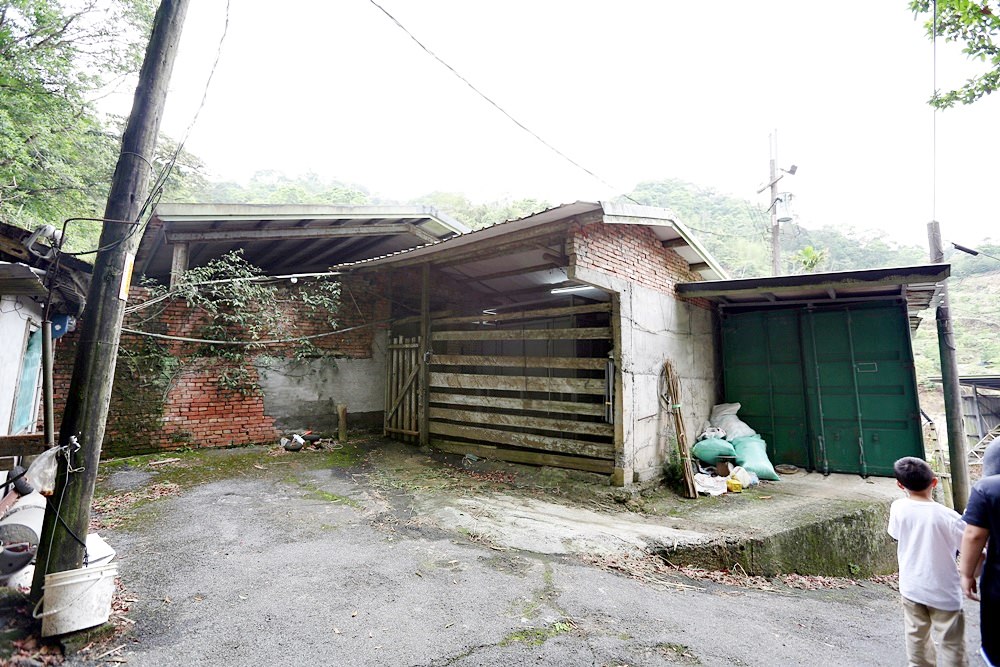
977	381
287	238
919	285
662	221
20	280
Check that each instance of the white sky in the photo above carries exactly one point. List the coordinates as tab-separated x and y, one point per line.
632	89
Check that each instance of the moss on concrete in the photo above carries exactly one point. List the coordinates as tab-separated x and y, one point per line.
538	636
852	543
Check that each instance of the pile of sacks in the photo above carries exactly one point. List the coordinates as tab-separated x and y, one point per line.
727	438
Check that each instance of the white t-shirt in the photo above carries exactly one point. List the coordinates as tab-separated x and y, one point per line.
929	536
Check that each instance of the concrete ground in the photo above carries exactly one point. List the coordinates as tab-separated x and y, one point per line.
377	554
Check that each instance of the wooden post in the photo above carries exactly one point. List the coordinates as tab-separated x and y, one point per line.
424	413
949	383
342	423
61	545
48	414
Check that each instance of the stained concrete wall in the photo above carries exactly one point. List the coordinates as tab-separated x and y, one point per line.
656	327
304	394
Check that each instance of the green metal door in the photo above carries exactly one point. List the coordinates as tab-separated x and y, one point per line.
830	389
763	372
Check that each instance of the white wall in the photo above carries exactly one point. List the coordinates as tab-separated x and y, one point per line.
14	314
654	328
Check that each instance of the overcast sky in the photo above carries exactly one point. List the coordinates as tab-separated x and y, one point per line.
631	90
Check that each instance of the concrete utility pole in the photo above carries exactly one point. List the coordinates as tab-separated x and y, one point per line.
772	185
949	383
60	547
775	230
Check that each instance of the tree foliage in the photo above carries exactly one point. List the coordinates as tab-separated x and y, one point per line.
56	156
977	26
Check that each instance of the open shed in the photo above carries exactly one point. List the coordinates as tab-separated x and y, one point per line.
283	239
543	340
822	363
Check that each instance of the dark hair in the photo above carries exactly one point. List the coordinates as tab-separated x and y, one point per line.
913	473
991	459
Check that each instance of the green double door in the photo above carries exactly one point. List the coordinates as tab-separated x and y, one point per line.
829	388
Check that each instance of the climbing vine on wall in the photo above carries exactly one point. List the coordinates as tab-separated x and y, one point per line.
243	311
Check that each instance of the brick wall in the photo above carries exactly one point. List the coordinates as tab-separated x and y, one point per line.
631	252
167	393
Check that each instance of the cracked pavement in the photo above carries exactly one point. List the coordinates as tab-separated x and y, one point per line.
284	563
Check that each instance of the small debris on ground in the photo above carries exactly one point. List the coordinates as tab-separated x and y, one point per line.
109	510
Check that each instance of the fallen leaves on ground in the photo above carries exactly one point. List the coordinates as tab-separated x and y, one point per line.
645	567
32	649
890	580
651	569
110	509
815	582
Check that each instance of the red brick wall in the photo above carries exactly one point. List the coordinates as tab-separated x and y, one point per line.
631	252
186	406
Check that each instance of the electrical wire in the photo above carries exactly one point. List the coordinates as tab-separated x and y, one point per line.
494	104
253	343
934	36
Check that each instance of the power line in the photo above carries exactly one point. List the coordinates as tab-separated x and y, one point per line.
494	104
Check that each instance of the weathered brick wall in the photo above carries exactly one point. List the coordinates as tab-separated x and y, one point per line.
167	393
631	252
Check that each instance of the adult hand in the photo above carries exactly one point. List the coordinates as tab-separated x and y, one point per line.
969	587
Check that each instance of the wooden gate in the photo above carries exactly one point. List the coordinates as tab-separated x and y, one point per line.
402	384
530	386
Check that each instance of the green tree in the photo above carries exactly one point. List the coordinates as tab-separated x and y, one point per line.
810	259
977	27
56	156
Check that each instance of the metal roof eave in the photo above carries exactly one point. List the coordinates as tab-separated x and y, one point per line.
657	217
190	213
607	212
20	280
845	281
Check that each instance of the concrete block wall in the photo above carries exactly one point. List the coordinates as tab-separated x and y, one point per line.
192	408
655	326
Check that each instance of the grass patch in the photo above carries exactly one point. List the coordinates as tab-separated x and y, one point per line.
538	636
678	653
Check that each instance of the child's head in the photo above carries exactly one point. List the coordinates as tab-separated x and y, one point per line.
913	474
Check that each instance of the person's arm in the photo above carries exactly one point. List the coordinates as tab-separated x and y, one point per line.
973	540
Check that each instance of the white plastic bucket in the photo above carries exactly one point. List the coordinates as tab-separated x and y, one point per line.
76	599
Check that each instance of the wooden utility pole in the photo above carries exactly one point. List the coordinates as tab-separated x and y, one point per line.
949	383
61	545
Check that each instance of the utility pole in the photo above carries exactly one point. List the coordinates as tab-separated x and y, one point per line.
775	230
772	185
949	382
61	545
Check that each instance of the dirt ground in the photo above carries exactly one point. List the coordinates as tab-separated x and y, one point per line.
373	554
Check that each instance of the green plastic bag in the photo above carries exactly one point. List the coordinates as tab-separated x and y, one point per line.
751	453
710	449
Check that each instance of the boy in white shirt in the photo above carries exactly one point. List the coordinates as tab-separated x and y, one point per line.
929	536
